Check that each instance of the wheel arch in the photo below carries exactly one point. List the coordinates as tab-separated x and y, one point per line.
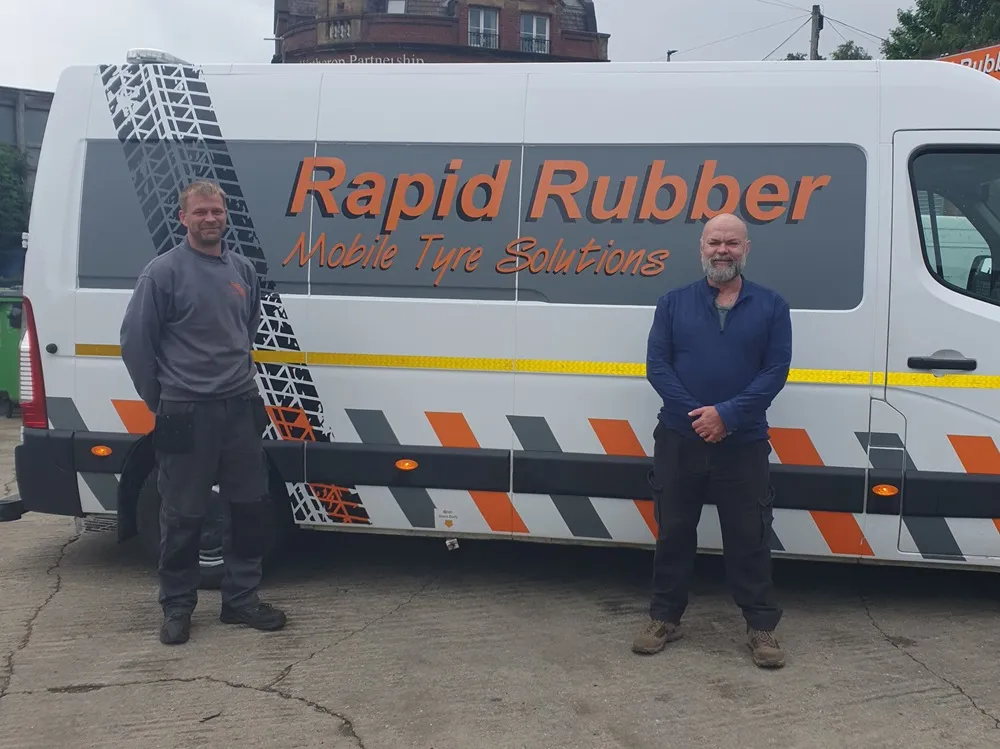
139	463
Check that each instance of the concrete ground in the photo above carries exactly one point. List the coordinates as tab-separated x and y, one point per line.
398	643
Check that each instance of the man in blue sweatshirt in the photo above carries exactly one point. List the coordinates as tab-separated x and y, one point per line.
718	353
187	340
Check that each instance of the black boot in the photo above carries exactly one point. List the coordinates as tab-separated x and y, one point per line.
176	628
257	615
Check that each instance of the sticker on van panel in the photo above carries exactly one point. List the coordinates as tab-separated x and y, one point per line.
577	224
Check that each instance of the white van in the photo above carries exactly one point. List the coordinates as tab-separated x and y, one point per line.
461	264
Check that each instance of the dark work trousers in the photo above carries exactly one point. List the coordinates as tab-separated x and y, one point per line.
225	449
736	479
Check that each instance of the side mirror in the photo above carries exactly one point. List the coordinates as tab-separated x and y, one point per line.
981	276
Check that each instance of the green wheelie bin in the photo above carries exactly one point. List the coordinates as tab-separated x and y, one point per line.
10	342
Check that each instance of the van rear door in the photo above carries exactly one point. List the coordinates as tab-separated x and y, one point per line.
943	365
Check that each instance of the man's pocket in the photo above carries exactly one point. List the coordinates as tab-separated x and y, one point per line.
173	433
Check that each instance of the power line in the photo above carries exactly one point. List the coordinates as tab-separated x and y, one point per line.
788	38
735	36
783	4
854	28
834	27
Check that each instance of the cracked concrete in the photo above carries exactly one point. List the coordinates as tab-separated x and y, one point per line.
902	644
397	643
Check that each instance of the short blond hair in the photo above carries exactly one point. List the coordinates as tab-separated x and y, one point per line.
205	188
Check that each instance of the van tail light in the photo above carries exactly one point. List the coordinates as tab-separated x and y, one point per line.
32	395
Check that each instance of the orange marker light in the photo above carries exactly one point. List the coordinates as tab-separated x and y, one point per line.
101	451
885	490
405	464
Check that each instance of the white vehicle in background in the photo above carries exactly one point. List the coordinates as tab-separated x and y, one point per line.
461	263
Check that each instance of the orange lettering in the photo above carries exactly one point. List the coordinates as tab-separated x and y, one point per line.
654	263
649	208
399	208
599	210
545	189
513	264
306	184
584	251
428	239
803	192
493	185
386	262
707	182
372	196
755	197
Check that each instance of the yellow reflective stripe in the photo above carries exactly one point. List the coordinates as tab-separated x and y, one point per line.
97	349
403	361
565	366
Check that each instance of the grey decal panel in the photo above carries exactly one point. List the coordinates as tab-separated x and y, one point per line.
587	224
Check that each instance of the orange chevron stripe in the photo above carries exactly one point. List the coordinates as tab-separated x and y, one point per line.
840	530
453	430
794	447
617	437
842	533
135	416
978	454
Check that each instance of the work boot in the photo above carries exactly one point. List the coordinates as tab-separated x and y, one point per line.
764	648
176	628
258	615
655	637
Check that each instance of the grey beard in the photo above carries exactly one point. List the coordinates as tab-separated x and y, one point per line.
725	274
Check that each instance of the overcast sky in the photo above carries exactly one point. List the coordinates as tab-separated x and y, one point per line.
42	38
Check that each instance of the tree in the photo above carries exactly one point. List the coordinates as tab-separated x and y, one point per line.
942	27
850	51
13	198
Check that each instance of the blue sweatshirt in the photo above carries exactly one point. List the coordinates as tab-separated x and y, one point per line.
188	330
737	361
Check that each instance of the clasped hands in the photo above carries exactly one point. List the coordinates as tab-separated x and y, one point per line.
708	425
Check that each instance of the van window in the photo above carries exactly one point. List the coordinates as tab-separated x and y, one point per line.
957	194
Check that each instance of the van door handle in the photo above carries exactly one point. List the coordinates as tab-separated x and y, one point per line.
936	362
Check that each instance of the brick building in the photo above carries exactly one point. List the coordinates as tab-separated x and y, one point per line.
417	31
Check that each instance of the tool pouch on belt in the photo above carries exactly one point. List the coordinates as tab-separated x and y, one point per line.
174	432
250	530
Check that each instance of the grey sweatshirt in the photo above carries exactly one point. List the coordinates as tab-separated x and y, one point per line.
189	327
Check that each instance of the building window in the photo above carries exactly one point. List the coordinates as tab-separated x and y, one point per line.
396	6
958	203
340	30
535	34
483	27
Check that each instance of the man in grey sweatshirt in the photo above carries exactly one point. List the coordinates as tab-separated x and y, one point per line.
187	340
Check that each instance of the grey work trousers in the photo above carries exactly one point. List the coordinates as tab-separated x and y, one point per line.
200	444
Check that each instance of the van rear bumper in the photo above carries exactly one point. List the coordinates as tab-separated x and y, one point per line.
46	472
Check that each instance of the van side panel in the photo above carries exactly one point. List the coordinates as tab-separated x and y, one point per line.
469	287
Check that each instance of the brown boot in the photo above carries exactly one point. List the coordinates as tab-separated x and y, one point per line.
765	649
655	636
